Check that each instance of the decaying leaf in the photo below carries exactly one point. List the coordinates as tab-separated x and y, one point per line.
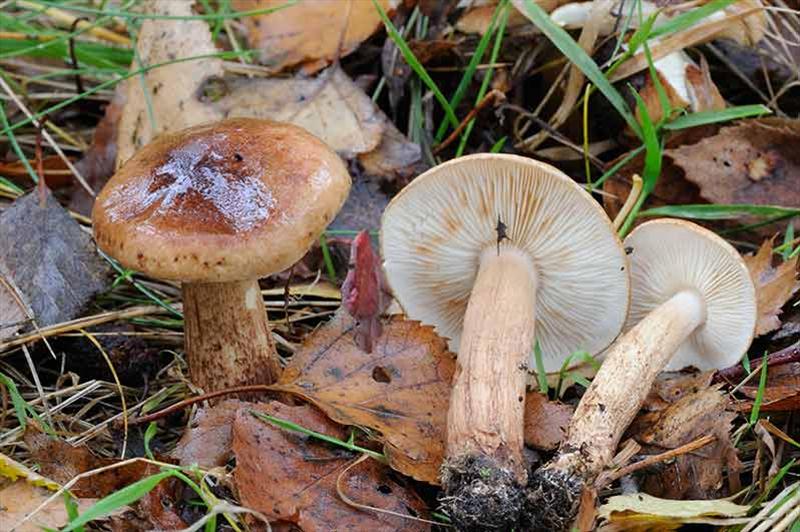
782	390
401	389
756	161
51	260
546	422
62	462
394	157
663	514
20	498
56	172
672	386
207	441
292	478
698	474
774	285
312	32
363	208
478	19
330	106
169	91
14	312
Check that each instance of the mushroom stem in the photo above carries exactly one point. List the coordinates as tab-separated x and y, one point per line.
484	469
607	408
223	322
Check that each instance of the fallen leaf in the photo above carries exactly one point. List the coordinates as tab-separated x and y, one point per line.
50	258
62	462
313	32
292	478
754	162
207	440
170	91
56	173
478	18
546	421
395	156
774	285
98	162
657	512
19	499
14	312
159	506
672	386
13	470
363	208
401	390
330	106
698	474
782	390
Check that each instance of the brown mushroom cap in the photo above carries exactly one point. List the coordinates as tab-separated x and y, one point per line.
233	200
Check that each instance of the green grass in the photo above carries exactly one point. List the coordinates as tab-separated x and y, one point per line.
759	399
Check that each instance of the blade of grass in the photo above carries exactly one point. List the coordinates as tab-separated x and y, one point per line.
584	357
326	257
541	374
498	41
134	15
498	146
415	65
288	425
721	212
562	40
12	139
472	67
788	242
689	18
713	117
762	384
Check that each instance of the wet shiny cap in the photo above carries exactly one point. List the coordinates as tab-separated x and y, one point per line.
233	200
435	230
668	256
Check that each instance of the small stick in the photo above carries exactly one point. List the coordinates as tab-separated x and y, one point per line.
199	398
611	476
73	57
491	96
778	358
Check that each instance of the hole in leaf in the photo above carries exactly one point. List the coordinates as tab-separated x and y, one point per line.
379	374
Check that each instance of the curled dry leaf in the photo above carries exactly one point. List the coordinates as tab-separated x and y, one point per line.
170	91
329	105
401	389
664	514
693	475
312	32
207	440
774	285
782	391
52	261
756	161
546	422
293	478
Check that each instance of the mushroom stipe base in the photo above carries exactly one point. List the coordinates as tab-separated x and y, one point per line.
552	500
479	494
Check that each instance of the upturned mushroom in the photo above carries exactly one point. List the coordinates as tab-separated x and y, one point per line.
217	207
692	304
497	251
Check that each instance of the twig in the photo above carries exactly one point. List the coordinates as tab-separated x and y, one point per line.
199	398
73	57
692	446
778	358
492	96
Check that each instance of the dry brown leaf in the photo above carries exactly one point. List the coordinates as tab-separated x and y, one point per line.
363	208
56	173
672	386
14	311
697	474
170	90
19	498
477	19
782	391
207	441
62	462
312	32
754	162
774	286
329	106
293	478
401	389
546	422
394	157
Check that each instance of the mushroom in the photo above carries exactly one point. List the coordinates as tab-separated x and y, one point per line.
692	304
497	251
218	206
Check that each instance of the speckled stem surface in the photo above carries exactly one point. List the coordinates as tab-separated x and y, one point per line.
488	399
228	341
